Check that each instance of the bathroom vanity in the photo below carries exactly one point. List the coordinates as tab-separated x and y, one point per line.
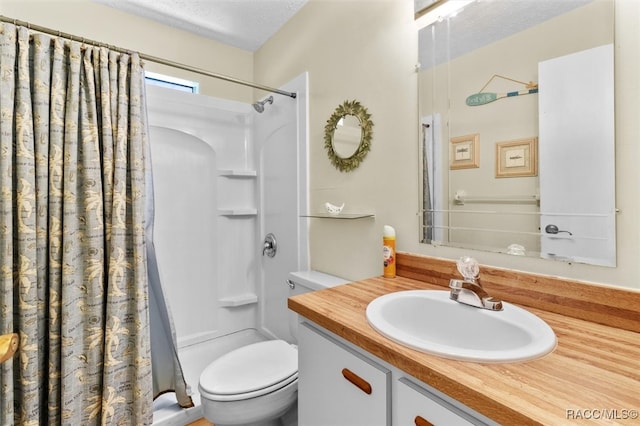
341	384
592	374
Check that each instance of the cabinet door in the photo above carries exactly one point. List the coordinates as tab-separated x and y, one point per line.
338	386
416	406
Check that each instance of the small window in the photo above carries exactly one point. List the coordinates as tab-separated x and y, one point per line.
171	82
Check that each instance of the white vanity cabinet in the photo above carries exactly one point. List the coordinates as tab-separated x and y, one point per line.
370	392
338	386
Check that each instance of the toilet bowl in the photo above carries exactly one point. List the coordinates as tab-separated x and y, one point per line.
256	385
252	385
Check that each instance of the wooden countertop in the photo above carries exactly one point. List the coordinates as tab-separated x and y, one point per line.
594	367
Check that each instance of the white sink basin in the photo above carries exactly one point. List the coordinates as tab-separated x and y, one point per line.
427	320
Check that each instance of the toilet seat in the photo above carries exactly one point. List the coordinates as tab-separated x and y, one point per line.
250	371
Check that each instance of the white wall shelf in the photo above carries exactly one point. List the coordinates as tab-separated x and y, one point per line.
238	300
237	212
239	173
340	216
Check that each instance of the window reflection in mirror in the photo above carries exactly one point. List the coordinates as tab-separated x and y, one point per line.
489	208
347	135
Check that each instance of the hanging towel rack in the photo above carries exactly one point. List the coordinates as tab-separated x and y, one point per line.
483	98
146	57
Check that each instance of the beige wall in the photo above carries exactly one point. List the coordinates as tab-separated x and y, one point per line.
94	21
366	50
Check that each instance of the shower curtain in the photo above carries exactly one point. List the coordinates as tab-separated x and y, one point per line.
427	185
73	260
167	370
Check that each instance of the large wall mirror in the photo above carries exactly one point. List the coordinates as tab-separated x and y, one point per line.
517	118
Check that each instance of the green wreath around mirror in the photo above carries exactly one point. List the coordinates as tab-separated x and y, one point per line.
347	135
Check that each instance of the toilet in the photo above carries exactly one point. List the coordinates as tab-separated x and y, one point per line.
255	385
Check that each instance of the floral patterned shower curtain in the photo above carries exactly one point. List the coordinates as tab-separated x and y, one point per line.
73	278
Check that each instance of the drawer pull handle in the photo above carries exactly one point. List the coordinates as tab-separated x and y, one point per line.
361	383
420	421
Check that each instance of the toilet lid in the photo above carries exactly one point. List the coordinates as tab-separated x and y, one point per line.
250	368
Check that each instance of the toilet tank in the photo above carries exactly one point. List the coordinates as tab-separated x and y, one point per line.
304	282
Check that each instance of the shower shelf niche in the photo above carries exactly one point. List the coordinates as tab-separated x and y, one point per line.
234	184
238	300
238	173
237	212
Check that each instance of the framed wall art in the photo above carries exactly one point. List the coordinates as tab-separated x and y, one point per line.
517	158
464	152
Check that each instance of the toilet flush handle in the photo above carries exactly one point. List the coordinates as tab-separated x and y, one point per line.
553	229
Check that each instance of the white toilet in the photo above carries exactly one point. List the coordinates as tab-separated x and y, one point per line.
257	384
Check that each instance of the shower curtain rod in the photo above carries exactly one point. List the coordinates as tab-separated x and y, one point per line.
146	57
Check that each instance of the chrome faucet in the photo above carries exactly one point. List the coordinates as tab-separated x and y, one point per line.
469	290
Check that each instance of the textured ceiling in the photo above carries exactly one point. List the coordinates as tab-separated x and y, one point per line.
486	21
245	24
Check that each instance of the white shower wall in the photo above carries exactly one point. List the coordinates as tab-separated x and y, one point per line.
204	247
283	168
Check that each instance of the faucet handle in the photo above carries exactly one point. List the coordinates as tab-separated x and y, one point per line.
468	267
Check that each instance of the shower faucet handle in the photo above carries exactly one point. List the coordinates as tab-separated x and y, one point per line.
270	246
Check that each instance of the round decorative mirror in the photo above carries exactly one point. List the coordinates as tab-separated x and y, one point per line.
347	135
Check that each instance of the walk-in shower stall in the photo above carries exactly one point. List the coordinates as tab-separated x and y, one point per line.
226	174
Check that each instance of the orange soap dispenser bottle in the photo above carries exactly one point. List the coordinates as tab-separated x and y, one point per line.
389	251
